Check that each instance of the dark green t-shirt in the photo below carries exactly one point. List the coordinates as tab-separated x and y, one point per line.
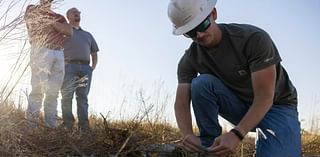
243	49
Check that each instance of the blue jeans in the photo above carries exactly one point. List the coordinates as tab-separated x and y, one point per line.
77	80
279	130
47	71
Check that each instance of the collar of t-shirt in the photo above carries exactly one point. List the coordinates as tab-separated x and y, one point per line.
77	28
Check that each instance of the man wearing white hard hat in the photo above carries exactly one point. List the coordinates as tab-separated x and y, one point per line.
235	71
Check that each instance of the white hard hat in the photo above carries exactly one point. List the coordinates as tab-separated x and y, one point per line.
187	14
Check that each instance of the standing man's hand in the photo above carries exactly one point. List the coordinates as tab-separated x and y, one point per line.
224	145
192	143
94	58
93	67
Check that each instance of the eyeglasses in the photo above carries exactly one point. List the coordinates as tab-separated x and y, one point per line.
47	1
203	26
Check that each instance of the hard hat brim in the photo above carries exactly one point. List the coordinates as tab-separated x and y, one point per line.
196	21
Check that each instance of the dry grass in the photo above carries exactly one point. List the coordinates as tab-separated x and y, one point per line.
310	144
105	138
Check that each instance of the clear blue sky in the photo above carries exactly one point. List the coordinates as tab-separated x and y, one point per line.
138	51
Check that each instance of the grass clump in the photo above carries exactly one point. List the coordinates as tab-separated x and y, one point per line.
138	137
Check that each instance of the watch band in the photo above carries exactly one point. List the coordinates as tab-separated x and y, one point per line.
237	133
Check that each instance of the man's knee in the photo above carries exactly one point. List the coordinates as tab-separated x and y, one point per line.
203	82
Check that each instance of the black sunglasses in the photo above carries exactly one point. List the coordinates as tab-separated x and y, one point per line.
203	26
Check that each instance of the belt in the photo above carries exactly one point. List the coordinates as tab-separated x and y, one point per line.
77	61
48	46
53	47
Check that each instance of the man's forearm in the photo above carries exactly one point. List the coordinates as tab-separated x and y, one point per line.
263	84
94	57
183	118
63	28
255	114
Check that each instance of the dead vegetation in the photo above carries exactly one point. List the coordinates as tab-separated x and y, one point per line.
310	144
107	138
143	135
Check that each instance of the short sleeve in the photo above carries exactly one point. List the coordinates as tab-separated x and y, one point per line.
94	46
28	11
186	72
261	51
61	19
29	8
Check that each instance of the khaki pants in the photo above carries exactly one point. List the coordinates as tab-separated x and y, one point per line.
47	72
